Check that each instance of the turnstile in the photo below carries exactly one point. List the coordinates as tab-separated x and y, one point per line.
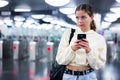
23	49
8	49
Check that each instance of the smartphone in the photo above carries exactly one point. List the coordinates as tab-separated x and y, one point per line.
81	36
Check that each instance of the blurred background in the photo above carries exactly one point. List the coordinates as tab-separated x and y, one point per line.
30	31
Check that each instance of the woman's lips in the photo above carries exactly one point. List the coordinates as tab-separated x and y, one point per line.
80	25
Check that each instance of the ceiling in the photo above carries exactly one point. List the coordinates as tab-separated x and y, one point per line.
39	6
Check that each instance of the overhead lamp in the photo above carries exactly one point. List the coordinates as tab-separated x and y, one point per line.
1	22
18	23
19	18
57	3
67	10
38	16
111	17
48	18
105	24
118	1
22	8
3	3
8	21
30	20
115	9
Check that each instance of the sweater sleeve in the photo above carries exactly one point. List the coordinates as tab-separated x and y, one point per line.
97	56
65	54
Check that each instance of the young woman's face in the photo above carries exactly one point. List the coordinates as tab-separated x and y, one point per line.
83	20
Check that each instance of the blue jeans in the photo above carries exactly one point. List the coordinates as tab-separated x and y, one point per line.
90	76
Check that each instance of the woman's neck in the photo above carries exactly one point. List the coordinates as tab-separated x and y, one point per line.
85	30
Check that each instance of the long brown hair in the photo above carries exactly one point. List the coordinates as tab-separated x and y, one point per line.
88	9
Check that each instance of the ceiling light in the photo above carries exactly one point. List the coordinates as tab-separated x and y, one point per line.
48	18
115	9
18	23
19	18
22	8
111	17
105	24
118	1
57	3
8	21
3	3
1	22
30	20
67	10
38	16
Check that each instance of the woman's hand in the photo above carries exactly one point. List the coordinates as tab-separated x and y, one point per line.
76	45
82	43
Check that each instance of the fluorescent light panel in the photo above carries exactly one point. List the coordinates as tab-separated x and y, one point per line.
67	10
22	8
118	1
37	16
3	3
57	3
115	9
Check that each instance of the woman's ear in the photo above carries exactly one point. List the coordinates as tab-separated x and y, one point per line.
92	18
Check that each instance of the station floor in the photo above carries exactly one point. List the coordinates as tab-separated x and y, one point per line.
24	70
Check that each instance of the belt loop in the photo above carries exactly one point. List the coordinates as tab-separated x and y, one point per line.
72	72
88	71
84	72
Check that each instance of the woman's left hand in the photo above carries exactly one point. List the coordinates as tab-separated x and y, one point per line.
85	44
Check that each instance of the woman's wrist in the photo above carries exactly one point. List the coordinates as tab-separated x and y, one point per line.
88	50
73	48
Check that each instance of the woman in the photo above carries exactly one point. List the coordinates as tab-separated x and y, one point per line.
83	56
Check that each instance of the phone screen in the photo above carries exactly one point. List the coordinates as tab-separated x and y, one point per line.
81	36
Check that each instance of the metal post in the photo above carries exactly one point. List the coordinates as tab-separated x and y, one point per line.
32	51
15	50
1	47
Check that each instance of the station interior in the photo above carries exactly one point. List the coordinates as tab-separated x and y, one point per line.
30	32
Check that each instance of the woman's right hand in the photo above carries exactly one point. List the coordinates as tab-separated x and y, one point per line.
75	46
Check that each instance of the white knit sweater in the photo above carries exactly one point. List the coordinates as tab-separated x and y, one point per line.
96	58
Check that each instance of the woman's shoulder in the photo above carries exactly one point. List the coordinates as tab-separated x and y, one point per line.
99	36
67	31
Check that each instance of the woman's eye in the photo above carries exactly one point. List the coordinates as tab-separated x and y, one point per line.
83	17
77	18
